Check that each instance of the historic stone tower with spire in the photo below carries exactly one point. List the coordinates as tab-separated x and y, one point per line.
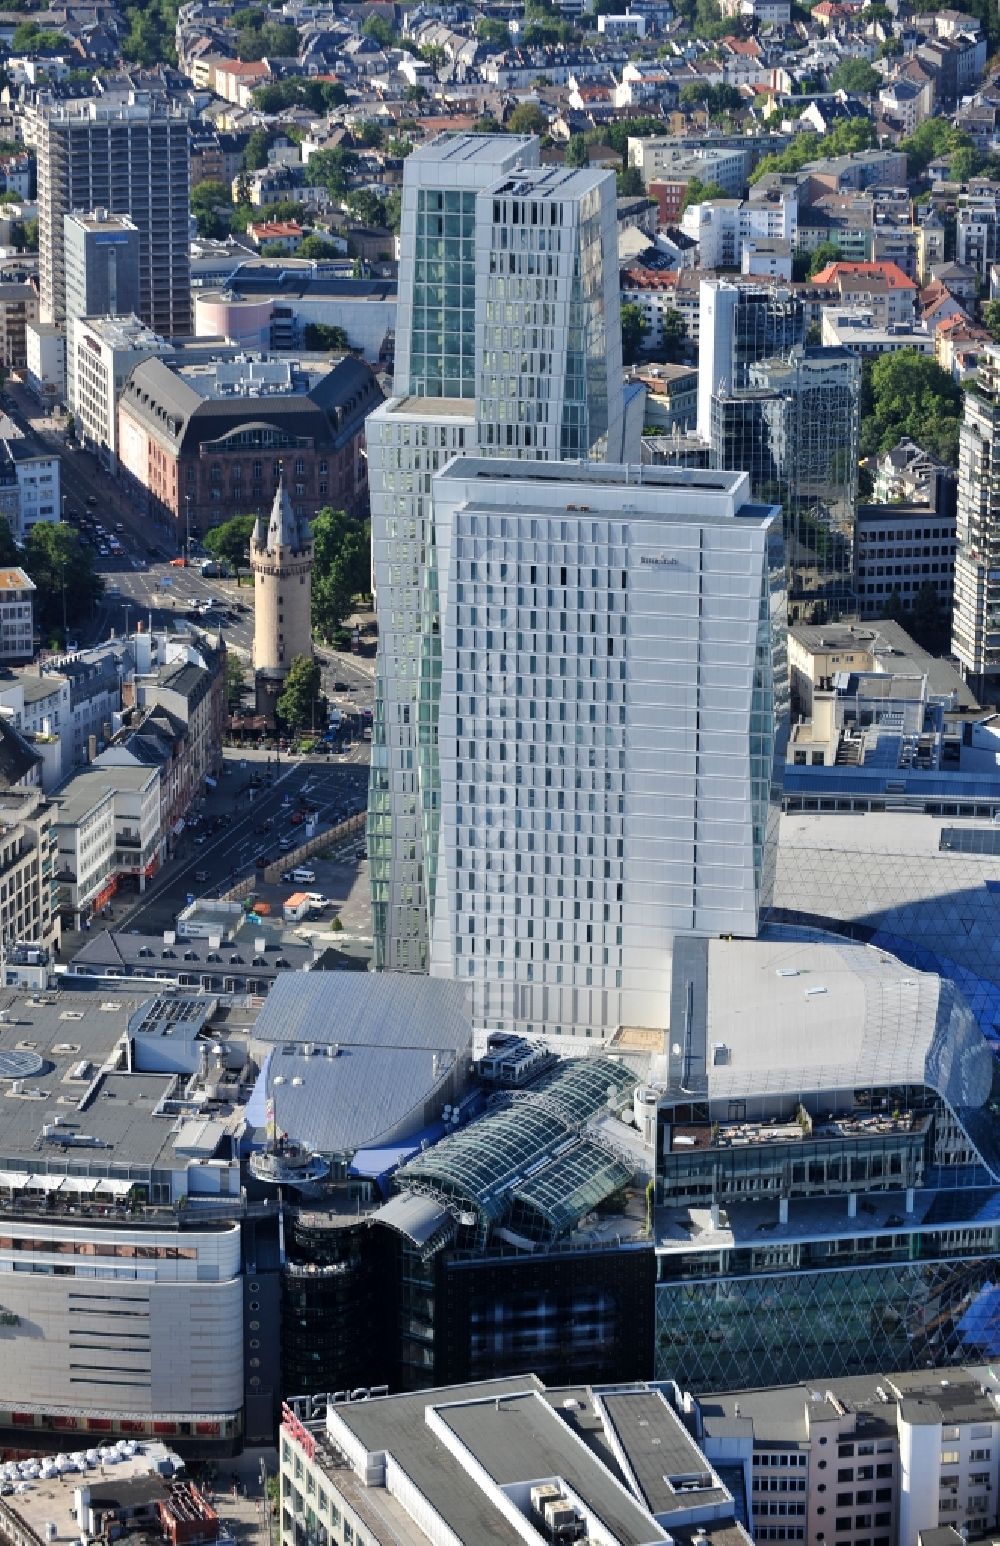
281	557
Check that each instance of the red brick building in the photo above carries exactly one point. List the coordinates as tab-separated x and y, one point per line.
202	443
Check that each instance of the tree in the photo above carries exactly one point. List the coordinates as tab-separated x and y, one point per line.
211	207
30	38
318	336
341	568
378	28
369	133
527	118
698	192
330	169
577	151
394	210
301	700
273	40
487	124
847	136
231	541
256	149
56	560
235	679
415	93
629	183
10	553
675	332
365	206
826	252
965	163
931	139
908	394
991	319
317	247
495	34
633	332
856	76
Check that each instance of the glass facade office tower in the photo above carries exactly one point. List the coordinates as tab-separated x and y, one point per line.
738	327
507	339
795	428
975	635
611	733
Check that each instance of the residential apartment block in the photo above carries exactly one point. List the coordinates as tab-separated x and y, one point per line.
28	901
17	613
126	153
889	1458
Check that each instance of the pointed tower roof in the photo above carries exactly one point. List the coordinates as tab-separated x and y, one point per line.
283	527
259	531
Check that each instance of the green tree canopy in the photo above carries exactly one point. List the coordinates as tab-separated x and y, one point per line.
496	34
297	91
629	183
30	38
256	149
235	679
698	192
273	40
54	556
847	136
577	151
321	335
527	118
317	247
826	252
909	394
856	76
231	541
366	206
301	703
933	138
341	568
378	28
633	332
331	169
991	319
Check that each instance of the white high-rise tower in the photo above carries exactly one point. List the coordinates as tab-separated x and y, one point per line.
508	341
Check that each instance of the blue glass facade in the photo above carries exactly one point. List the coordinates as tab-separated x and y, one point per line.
779	1328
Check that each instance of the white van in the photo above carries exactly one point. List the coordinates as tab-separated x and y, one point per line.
303	877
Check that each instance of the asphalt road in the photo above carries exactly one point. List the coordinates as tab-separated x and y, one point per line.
252	822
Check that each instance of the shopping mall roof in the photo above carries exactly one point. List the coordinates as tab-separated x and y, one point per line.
361	1057
530	1155
788	1015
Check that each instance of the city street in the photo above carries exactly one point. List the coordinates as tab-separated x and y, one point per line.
252	823
143	585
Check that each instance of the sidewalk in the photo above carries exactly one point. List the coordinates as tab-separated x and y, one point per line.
242	1514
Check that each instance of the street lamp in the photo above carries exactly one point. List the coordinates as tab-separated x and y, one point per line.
187	526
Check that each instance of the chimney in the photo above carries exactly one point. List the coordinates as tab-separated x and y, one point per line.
91	747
